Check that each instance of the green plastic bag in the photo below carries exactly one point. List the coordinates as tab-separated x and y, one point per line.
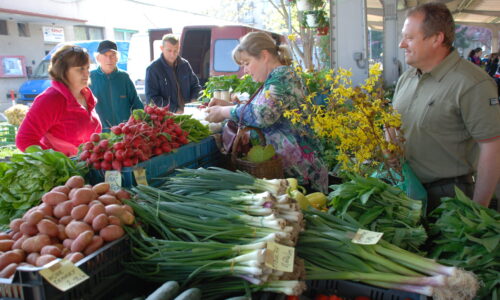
408	182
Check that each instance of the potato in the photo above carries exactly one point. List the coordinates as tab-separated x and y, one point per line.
95	244
8	271
5	236
128	208
75	228
16	235
65	220
21	253
100	222
111	233
28	229
59	245
48	227
6	245
89	186
122	195
115	210
94	202
34	217
75	182
15	224
101	188
42	260
61	235
111	192
79	212
83	196
35	243
54	198
74	257
31	258
20	241
63	209
10	257
50	249
94	211
47	210
127	218
113	220
62	189
67	243
108	199
82	241
72	193
65	251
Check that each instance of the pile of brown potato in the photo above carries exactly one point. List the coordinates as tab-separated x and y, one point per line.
73	221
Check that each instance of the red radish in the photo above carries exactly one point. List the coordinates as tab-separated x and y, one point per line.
84	155
95	137
117	165
88	146
104	144
108	156
116	130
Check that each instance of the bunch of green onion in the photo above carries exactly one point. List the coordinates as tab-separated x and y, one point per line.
215	229
329	253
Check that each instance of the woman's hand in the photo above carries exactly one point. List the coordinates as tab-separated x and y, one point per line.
218	102
216	114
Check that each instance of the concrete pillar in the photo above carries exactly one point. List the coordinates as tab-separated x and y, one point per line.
350	38
391	62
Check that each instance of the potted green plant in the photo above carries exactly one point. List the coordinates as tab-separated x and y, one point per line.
323	22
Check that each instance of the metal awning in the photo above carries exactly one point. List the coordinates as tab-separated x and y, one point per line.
483	13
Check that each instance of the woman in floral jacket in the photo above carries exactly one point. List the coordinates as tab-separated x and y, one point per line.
282	90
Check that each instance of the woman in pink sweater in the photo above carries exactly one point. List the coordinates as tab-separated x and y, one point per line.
63	116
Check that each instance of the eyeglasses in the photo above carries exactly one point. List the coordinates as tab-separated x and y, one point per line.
75	49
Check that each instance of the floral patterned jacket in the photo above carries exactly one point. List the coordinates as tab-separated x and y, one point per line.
283	90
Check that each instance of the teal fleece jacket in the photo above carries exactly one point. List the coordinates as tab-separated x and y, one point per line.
116	96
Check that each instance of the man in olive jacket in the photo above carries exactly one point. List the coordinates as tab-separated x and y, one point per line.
170	80
116	94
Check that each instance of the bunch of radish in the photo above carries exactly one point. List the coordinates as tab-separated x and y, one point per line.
149	132
73	221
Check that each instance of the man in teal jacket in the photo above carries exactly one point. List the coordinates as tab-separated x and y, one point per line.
115	92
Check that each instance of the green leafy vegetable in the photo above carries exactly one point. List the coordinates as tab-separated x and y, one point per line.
27	176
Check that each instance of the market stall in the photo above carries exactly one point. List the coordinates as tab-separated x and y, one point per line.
147	210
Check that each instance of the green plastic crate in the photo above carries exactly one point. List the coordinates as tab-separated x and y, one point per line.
7	134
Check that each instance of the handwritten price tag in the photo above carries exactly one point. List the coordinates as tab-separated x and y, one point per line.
140	176
366	237
279	257
114	178
64	275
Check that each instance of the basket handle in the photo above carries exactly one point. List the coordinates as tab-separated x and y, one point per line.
239	135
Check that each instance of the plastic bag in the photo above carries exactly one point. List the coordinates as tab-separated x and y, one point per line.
407	181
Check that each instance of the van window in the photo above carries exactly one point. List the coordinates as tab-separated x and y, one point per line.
42	70
223	58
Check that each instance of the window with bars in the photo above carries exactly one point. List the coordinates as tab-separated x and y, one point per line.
3	27
88	33
124	34
23	29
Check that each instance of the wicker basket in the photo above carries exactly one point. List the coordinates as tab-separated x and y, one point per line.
270	169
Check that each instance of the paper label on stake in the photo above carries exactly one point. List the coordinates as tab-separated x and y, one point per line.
279	257
64	275
366	237
114	178
140	176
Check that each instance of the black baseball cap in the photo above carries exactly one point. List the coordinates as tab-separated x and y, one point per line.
105	46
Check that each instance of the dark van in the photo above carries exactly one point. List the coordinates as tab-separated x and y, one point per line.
207	48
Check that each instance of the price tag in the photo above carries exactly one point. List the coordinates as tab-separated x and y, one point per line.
140	176
279	257
64	275
114	178
366	237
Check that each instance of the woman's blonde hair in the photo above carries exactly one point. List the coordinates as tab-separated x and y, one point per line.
64	58
254	42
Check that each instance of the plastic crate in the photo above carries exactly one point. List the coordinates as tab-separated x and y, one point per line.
350	289
7	134
192	155
103	267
